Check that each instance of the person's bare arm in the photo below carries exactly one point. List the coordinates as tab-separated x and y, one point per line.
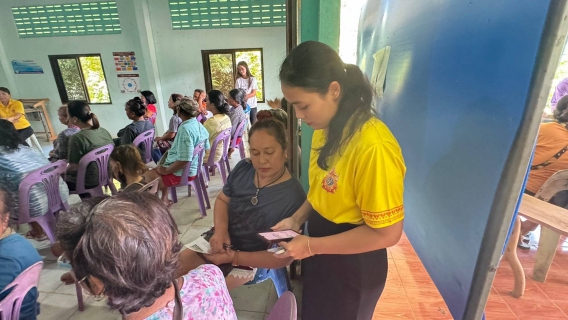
358	240
296	220
14	118
178	165
251	94
166	136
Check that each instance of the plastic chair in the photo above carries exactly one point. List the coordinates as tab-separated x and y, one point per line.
239	133
10	306
197	183
151	187
285	308
279	278
100	157
146	138
223	163
49	176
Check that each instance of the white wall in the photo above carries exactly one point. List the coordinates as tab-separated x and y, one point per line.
178	55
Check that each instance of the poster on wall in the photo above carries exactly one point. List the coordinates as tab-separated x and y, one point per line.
26	67
129	83
125	61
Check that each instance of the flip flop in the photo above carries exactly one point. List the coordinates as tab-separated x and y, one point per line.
169	204
30	235
67	278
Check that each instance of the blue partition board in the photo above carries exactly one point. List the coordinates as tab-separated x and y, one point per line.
456	90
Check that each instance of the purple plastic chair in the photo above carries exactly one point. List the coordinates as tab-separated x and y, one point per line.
197	184
146	138
223	163
10	306
285	308
153	117
49	176
100	157
239	133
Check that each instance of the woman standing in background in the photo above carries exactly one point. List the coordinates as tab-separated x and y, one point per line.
247	82
13	111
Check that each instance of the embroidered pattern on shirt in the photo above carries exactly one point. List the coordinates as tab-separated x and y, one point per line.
329	183
384	218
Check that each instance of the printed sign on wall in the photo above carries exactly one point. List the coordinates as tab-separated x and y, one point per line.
129	83
26	67
125	61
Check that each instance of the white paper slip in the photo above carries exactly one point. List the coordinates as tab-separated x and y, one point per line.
199	245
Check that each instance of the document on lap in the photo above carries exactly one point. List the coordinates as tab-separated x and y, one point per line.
199	245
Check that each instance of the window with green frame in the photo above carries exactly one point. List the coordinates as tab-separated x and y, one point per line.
210	14
220	69
72	19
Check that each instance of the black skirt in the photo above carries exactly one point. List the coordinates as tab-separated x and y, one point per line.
341	287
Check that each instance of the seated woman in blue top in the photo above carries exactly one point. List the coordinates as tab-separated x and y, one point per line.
16	255
258	193
190	134
16	162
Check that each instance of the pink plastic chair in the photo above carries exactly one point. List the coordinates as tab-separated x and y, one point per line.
146	138
239	133
285	308
49	176
223	163
101	157
10	306
198	183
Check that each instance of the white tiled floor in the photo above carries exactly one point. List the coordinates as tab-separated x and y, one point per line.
59	302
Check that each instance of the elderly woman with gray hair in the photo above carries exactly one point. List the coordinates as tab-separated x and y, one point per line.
126	249
190	133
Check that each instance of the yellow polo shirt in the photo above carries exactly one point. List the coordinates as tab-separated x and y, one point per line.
364	182
11	109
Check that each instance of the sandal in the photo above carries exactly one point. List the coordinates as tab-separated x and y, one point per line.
30	235
67	278
169	204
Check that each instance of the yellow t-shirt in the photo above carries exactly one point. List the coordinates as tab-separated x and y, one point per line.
11	109
364	182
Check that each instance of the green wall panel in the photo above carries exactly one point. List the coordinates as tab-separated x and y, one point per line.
210	14
73	19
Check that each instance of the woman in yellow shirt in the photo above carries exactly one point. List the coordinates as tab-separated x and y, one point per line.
13	111
355	207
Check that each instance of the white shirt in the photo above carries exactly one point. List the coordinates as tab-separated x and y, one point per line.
248	86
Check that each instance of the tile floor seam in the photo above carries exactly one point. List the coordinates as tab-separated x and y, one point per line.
405	293
505	302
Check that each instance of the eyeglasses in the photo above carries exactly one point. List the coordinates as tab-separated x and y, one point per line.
85	285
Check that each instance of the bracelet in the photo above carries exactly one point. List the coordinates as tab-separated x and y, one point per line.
309	248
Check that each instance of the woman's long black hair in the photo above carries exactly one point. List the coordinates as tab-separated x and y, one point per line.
9	137
313	66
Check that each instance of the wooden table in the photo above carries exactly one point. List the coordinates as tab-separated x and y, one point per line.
553	221
38	108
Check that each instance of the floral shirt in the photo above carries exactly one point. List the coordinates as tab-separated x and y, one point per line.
204	296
